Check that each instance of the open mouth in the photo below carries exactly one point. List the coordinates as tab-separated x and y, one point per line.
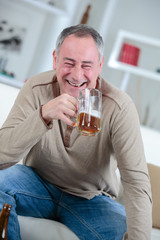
76	84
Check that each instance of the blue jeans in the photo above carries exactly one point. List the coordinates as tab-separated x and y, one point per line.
31	195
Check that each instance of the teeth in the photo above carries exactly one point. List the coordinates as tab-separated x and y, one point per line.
75	85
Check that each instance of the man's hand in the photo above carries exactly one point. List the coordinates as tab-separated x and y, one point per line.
62	107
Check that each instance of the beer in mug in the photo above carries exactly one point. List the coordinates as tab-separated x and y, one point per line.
89	113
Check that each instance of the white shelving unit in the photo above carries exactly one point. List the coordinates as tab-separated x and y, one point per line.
11	81
124	36
57	9
43	5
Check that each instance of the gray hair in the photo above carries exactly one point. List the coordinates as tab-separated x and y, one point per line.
81	30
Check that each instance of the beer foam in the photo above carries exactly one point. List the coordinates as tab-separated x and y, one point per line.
93	113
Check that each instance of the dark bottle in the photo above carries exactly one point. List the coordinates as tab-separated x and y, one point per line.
86	15
4	216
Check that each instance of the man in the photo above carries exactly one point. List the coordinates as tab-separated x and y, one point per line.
66	176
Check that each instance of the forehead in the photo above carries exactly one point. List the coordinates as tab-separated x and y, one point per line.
79	45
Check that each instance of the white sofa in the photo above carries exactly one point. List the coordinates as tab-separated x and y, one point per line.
36	229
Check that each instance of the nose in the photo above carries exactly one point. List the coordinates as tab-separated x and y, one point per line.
77	73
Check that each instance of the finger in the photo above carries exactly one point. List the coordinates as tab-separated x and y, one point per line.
70	112
74	101
67	120
68	101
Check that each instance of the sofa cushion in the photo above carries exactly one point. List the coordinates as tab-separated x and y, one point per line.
43	229
154	172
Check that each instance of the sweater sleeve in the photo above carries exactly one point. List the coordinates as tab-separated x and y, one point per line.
23	128
128	147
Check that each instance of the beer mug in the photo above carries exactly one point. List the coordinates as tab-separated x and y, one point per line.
89	112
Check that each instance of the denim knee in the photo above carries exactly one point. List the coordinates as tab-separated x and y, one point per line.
7	178
11	178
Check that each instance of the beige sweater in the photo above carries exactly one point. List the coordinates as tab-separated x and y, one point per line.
78	164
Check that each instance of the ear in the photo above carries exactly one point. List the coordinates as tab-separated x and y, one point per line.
54	59
101	65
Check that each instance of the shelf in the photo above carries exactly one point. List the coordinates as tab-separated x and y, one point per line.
11	81
46	7
135	38
134	70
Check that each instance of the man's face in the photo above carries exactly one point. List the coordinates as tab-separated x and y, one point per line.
77	65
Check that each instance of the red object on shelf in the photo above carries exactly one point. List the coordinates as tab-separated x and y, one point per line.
129	54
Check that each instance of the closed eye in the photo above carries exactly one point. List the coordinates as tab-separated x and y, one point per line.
86	66
69	64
